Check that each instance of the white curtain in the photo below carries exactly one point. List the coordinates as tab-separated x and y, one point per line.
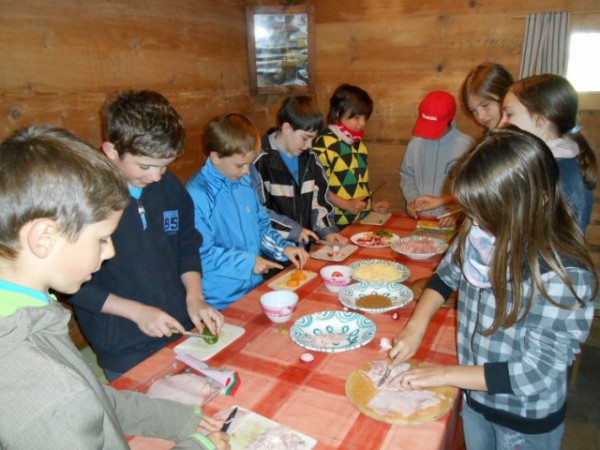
546	44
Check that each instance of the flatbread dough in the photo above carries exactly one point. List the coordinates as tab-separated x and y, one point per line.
360	390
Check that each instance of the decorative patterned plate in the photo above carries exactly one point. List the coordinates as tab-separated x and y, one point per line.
419	247
380	271
399	295
374	239
332	331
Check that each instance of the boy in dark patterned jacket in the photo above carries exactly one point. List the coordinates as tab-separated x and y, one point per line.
290	179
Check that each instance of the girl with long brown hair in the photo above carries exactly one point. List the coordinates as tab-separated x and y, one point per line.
526	285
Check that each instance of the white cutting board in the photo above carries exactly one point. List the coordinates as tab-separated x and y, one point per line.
248	425
199	349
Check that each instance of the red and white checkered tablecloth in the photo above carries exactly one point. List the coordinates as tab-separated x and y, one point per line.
310	397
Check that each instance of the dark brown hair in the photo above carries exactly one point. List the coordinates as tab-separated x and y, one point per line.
509	184
143	123
554	98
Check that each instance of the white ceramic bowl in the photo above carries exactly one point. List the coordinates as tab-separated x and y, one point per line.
336	277
279	305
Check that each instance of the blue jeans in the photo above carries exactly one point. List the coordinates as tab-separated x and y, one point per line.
480	434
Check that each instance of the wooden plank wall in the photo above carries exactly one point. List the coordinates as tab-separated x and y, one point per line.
400	50
60	58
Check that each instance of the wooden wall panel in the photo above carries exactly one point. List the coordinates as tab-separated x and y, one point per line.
60	59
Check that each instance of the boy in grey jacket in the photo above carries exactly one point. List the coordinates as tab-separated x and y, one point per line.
61	201
437	144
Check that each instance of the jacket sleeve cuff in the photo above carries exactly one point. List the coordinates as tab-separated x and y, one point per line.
438	285
204	441
497	378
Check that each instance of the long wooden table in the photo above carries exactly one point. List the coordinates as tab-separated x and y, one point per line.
310	397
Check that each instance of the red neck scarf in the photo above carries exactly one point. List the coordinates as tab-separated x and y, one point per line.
355	136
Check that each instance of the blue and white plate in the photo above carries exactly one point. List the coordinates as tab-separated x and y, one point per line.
333	331
378	274
398	294
404	246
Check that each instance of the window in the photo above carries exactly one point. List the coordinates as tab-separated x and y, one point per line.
583	70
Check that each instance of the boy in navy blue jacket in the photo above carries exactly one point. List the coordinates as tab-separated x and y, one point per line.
152	288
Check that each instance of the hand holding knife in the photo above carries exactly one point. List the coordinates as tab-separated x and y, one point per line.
229	419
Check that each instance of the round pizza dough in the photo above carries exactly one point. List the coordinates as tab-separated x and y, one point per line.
360	390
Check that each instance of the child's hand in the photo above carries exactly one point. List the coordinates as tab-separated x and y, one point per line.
381	206
211	426
155	322
263	265
336	239
202	313
297	255
405	344
356	205
411	210
422	377
306	235
426	203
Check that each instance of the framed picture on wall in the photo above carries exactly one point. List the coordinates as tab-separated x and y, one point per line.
280	49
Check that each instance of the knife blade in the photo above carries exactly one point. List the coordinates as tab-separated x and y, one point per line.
192	334
385	376
229	419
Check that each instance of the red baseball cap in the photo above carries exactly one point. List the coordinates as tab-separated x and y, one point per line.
436	111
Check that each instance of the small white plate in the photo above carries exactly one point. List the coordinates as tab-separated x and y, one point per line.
399	295
332	331
374	239
375	218
403	271
438	246
326	253
247	427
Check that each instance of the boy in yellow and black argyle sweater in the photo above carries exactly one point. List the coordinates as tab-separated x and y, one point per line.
344	155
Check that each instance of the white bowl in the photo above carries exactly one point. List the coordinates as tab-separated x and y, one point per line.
336	277
279	305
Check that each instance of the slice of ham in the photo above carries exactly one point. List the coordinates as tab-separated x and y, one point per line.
279	438
405	403
391	398
327	340
377	371
417	247
185	388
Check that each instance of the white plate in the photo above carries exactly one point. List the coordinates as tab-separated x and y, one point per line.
404	273
439	245
375	218
399	294
362	239
326	253
247	426
199	349
332	331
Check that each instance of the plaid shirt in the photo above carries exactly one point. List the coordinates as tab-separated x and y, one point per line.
525	365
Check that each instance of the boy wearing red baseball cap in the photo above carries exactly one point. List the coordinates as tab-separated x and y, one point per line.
433	150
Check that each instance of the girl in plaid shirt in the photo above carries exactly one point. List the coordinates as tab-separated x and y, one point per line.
526	285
